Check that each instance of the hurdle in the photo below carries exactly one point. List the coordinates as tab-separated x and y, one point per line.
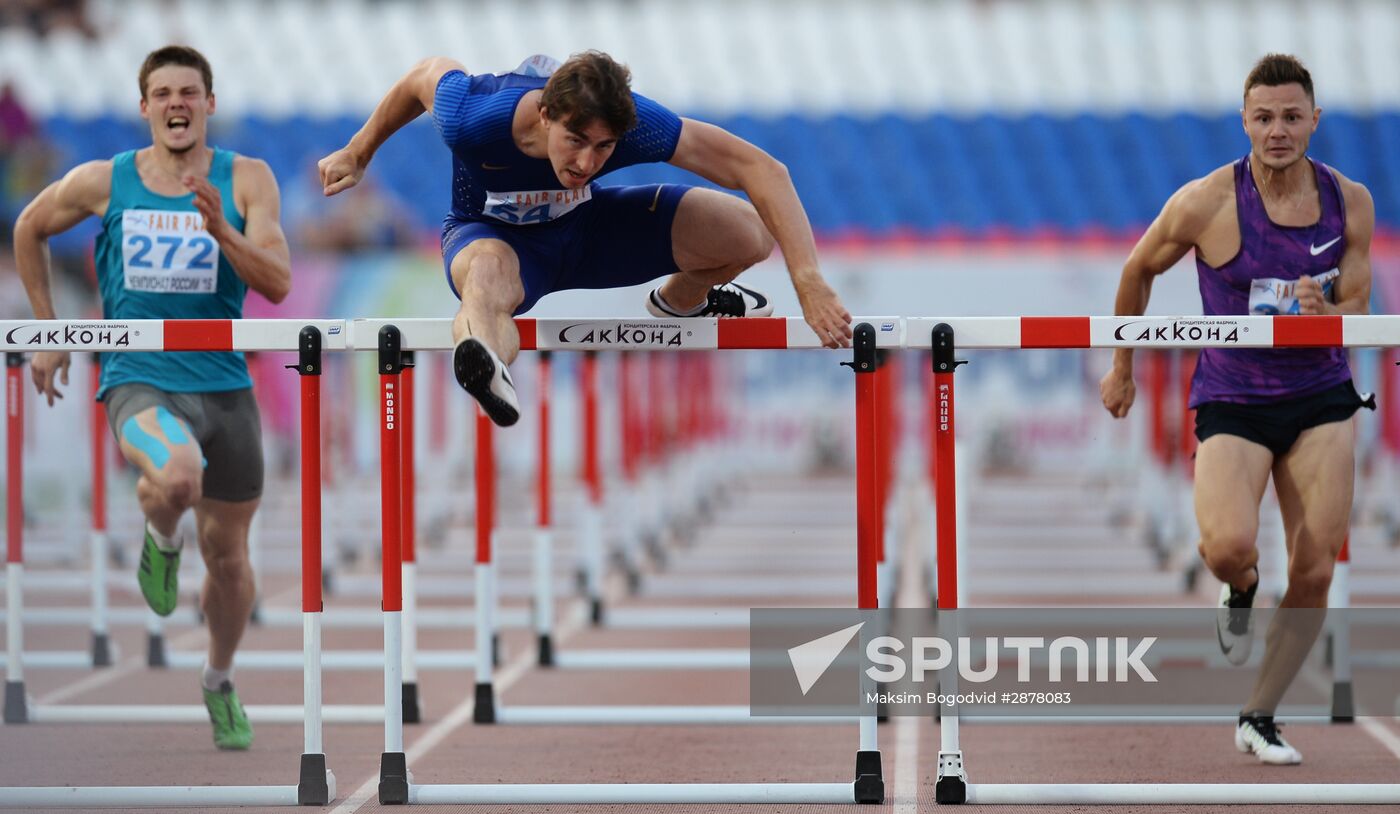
316	783
390	338
952	785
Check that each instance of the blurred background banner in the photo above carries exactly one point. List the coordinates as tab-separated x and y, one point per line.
1053	129
956	157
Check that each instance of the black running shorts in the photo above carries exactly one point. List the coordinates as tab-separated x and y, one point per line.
1278	424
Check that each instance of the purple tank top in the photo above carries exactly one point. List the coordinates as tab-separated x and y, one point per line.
1260	281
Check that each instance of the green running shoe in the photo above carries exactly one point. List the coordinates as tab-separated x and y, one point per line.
158	576
231	727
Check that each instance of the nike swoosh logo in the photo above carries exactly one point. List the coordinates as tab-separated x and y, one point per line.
655	198
486	166
1316	250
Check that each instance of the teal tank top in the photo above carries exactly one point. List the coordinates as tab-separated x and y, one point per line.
155	261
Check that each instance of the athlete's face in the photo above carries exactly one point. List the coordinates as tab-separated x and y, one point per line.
177	106
1280	121
577	153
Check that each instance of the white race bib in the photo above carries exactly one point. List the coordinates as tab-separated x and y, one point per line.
168	252
1269	295
540	206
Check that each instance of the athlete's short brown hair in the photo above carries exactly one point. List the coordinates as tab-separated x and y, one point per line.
591	86
1279	69
181	55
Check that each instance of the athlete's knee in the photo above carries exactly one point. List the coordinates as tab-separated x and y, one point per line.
1310	578
753	242
1229	551
180	484
493	279
227	565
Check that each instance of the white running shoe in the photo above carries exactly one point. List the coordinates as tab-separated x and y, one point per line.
481	374
728	300
1234	622
1259	734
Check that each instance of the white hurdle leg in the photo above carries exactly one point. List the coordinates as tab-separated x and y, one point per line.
15	702
1339	632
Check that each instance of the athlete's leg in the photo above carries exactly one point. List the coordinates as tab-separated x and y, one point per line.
714	238
486	273
229	592
164	449
1315	480
1231	474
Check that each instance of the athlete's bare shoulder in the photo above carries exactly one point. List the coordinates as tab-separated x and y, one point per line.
87	187
1355	195
1200	203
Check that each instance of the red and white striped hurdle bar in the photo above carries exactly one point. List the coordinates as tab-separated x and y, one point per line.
115	335
759	333
1160	332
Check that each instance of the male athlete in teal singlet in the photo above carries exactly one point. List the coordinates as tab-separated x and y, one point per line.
187	229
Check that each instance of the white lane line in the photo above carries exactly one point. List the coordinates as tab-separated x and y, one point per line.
462	713
134	664
906	727
1323	683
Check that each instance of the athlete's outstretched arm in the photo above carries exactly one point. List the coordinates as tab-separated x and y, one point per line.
1165	242
1352	291
61	206
259	253
725	159
406	100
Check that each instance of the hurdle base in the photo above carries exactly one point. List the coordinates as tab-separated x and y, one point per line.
546	650
411	715
870	780
595	612
393	779
951	787
16	705
313	788
484	711
155	650
1343	705
101	650
495	650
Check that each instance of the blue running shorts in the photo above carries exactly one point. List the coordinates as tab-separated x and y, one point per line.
620	238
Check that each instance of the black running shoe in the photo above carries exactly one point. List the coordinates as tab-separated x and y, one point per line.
481	374
728	300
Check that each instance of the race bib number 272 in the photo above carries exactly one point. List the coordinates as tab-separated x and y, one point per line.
168	252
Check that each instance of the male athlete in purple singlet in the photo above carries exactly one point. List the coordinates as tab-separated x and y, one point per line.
1274	233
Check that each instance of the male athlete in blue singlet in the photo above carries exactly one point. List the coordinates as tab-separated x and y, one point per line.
528	218
1274	233
186	230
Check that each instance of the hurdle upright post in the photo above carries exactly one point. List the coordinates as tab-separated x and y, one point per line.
97	543
16	710
393	763
951	786
544	535
484	710
591	518
869	782
408	540
315	783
